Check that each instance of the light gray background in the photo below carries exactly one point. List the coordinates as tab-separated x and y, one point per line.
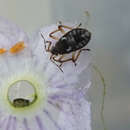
110	44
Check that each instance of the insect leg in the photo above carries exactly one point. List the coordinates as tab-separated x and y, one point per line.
59	29
64	26
61	60
86	49
52	58
73	58
52	36
78	54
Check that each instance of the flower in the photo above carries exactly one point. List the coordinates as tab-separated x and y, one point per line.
35	95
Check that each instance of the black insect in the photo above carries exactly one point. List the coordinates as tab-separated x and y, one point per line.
20	102
71	42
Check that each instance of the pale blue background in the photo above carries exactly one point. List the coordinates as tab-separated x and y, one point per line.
110	26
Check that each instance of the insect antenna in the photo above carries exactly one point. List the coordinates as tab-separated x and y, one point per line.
57	65
87	19
80	24
51	58
59	22
44	40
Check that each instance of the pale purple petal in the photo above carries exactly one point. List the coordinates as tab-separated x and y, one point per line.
65	105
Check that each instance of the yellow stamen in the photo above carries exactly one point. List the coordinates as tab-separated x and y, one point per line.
2	50
19	46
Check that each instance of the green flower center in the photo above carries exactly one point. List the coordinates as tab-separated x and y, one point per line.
21	94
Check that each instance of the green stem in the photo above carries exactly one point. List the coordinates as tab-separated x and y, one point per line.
103	95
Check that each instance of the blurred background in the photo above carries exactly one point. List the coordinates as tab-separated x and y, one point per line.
109	23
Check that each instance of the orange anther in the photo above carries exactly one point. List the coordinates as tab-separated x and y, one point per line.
2	50
19	46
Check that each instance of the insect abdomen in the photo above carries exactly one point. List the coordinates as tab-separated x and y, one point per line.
73	40
78	38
